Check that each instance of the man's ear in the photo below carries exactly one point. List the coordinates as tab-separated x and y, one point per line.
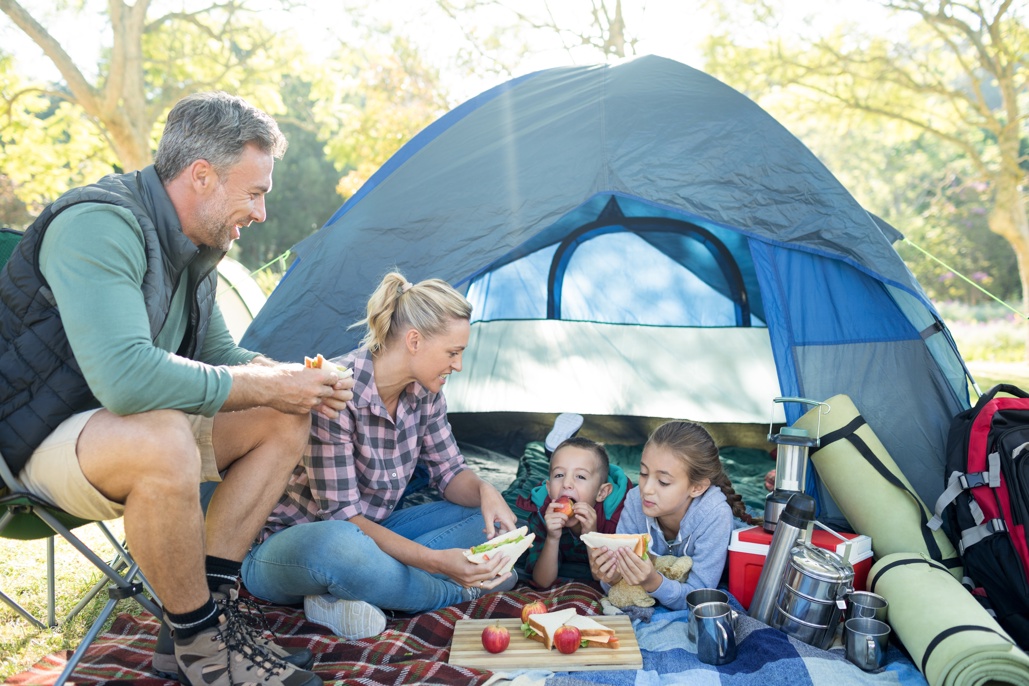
202	176
605	491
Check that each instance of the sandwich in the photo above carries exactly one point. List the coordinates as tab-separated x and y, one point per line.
638	543
512	544
318	362
543	625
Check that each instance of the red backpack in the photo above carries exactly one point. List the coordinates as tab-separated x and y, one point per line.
985	507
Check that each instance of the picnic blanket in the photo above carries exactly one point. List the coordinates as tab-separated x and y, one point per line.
414	650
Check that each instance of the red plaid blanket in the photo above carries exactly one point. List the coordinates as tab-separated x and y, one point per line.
411	651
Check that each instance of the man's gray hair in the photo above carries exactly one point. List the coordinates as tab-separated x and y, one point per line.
216	127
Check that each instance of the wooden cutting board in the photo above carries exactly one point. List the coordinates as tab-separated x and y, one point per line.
466	649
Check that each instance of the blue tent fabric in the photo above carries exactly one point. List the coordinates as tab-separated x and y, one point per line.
647	194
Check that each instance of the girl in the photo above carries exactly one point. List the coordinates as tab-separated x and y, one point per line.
686	504
335	540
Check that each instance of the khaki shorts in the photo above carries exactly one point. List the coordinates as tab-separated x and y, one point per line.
53	471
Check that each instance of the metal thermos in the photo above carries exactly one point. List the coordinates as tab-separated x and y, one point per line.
794	520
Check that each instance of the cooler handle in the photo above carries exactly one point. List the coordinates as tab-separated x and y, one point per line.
846	541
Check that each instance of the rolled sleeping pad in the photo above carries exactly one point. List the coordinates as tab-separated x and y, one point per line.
869	488
949	635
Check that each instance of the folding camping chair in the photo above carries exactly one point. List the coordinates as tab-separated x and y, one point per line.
24	516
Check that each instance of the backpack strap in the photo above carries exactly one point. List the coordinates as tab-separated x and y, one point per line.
848	432
960	482
975	534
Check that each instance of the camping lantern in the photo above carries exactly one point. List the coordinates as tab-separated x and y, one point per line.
791	462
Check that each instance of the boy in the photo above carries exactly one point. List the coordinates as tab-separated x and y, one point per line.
579	471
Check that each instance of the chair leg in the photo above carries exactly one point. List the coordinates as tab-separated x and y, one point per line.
51	584
86	641
29	617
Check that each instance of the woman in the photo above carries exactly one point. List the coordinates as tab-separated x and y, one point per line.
334	539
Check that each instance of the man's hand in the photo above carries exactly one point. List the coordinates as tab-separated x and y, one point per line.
288	388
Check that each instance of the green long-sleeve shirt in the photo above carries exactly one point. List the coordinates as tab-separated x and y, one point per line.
94	260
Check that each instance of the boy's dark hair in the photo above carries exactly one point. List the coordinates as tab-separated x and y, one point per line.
597	449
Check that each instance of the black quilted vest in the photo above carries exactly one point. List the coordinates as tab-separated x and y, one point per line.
41	383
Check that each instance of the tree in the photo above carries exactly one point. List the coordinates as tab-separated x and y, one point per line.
149	64
960	74
499	34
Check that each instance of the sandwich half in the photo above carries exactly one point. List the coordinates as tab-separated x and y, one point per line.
542	627
638	543
513	544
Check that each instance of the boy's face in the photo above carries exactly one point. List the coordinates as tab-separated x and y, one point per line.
575	472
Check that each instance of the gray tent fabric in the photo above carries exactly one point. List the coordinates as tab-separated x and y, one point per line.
671	169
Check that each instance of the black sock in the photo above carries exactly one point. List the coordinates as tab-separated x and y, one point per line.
190	623
221	572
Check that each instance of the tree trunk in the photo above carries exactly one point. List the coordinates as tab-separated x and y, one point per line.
1008	219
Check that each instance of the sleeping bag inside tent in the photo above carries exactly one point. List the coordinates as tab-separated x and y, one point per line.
640	242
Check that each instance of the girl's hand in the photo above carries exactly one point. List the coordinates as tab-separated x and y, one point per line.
587	516
637	571
555	520
604	565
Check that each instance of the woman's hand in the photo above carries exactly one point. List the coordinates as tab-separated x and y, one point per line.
604	565
495	511
461	570
637	571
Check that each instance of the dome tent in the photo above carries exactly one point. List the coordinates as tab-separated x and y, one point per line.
638	240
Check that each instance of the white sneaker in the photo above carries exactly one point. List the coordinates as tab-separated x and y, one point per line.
350	619
566	425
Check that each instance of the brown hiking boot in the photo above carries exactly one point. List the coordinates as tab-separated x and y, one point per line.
254	623
226	656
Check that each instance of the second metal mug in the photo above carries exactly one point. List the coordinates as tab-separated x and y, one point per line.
716	635
699	597
867	605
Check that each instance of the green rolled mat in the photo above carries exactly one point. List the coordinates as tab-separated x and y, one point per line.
869	488
948	634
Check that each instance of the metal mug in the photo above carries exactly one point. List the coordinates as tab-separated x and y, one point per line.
699	597
716	633
868	605
866	642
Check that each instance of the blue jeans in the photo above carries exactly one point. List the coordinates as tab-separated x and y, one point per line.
337	557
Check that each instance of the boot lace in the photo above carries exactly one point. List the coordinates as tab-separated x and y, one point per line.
238	636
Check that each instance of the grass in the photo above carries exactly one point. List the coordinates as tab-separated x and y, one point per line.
991	340
23	577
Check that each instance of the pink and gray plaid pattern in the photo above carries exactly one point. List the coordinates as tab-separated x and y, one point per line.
361	462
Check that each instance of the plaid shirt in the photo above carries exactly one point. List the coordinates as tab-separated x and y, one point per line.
360	463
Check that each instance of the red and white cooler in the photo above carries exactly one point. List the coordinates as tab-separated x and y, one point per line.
749	548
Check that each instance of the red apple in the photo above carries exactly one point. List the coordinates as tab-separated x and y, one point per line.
565	505
533	608
567	639
496	638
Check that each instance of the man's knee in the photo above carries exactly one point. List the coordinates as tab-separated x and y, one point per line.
168	449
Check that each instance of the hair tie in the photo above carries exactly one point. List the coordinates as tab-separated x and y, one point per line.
404	288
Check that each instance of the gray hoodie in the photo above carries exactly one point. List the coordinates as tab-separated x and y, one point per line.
704	535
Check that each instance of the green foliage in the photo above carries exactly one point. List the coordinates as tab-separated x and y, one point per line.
913	120
303	195
369	103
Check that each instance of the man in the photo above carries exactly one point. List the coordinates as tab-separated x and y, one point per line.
123	389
